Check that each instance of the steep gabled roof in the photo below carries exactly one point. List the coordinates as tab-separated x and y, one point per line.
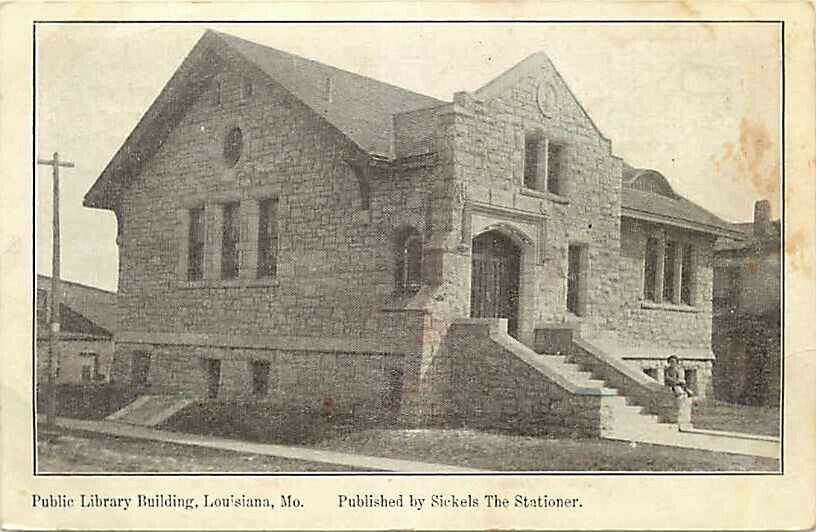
73	324
647	195
361	108
529	65
93	304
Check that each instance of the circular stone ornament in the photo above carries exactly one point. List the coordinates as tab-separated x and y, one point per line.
546	98
233	146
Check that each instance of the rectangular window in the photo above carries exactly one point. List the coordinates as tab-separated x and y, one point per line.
554	152
248	89
576	279
650	270
140	368
668	270
531	161
691	380
687	276
88	366
212	369
195	245
260	377
268	238
229	241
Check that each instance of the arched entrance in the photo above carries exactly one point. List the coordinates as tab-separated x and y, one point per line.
494	282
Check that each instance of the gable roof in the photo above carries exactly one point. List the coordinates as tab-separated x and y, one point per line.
73	324
526	67
92	304
647	195
359	107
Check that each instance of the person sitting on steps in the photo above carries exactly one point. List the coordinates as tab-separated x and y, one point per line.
675	378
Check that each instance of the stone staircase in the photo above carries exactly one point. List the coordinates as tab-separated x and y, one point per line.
643	416
150	410
623	416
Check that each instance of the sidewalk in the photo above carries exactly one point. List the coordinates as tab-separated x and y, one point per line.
373	463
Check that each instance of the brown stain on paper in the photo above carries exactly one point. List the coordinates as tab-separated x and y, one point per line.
754	160
799	250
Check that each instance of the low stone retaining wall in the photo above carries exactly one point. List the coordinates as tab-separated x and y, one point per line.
483	378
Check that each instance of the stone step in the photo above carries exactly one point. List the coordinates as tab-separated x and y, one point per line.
150	410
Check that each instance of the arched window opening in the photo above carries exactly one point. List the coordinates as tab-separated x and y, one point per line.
409	262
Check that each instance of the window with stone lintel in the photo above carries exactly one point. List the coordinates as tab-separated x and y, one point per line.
577	273
408	262
267	238
669	274
543	164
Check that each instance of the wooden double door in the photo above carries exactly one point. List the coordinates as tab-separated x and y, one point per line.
494	284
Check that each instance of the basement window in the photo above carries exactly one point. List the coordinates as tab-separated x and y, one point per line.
260	377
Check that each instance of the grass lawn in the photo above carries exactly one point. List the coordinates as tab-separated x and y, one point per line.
736	418
480	450
89	452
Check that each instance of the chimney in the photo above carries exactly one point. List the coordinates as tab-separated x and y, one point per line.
329	89
762	218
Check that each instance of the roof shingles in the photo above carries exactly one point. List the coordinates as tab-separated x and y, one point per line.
360	107
675	210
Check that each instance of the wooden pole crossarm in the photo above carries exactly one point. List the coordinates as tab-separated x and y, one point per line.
52	162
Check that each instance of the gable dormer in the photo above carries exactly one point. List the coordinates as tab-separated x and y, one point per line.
536	86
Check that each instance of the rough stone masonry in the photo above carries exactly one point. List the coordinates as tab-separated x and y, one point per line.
378	195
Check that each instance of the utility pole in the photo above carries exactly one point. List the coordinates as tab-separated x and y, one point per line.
53	344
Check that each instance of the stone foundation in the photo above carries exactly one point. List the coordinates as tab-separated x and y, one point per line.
362	384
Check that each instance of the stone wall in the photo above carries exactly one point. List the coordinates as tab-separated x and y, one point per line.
335	258
70	359
478	382
459	172
641	323
363	384
488	140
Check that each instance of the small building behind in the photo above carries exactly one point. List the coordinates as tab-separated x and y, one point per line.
746	333
87	325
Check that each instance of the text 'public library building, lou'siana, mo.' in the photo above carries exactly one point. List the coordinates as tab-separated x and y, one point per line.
293	233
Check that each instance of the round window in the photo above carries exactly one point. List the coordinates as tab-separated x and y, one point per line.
233	145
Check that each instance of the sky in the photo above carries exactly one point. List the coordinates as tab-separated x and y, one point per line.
698	102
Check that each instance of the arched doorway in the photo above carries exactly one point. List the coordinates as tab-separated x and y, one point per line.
494	282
